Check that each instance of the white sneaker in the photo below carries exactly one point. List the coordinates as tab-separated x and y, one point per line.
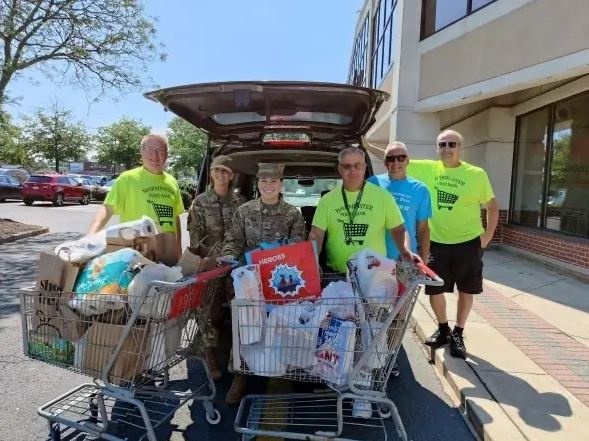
361	409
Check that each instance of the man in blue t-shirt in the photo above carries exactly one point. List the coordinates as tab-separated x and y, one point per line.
412	197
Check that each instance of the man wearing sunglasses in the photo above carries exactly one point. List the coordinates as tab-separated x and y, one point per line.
457	190
411	196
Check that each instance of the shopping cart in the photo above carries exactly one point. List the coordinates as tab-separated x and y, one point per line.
129	351
446	200
354	358
165	213
355	230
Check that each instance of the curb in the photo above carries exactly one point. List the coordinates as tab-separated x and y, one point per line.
26	234
474	408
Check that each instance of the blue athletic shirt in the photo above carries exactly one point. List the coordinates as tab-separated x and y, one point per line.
412	197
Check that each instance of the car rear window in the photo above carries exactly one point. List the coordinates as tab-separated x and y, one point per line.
308	195
39	179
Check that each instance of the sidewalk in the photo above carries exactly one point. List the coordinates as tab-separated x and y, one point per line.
527	374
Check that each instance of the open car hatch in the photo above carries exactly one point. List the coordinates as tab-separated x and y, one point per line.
247	109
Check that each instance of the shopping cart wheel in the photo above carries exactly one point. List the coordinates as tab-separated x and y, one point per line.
216	419
54	432
385	412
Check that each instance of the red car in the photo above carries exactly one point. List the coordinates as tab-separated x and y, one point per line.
55	188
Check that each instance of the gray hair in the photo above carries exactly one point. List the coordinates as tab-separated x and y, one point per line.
154	136
451	132
351	151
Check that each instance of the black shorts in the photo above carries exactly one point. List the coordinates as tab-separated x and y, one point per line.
459	264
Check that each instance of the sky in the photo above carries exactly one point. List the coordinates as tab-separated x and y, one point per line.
218	40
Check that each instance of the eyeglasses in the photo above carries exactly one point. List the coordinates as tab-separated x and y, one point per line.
356	166
450	144
393	158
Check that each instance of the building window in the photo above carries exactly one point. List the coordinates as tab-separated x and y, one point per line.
438	14
357	73
551	184
382	40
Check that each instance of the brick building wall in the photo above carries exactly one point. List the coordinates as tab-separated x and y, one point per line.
572	250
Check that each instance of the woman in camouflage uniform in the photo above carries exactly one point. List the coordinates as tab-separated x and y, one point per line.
266	219
208	217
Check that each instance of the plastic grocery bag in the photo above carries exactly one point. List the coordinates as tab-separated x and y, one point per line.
340	300
377	277
335	351
263	357
248	290
102	284
156	303
376	345
164	341
298	326
83	249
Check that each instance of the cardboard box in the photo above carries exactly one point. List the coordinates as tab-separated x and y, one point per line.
161	248
99	343
52	318
192	263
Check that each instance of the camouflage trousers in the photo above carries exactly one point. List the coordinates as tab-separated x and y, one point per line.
218	314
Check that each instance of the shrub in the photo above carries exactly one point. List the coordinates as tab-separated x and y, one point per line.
187	190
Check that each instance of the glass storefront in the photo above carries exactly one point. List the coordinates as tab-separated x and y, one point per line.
551	182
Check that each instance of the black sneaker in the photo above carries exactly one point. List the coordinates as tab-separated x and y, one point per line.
438	339
457	348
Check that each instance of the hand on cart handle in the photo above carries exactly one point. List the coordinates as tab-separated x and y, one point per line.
411	257
430	273
227	260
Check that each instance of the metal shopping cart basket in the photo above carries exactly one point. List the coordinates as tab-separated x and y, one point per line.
446	200
128	350
165	213
305	343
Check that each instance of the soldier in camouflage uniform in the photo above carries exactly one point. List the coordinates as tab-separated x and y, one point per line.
208	217
267	219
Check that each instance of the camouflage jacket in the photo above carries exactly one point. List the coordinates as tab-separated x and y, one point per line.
255	222
208	218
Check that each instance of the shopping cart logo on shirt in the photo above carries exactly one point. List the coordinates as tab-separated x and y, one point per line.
352	233
286	280
164	213
446	200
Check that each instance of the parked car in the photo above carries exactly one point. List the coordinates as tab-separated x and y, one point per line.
100	192
18	173
88	184
55	188
301	124
10	188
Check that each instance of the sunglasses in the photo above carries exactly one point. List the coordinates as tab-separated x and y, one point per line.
450	144
393	158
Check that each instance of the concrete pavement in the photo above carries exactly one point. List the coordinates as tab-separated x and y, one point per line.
527	374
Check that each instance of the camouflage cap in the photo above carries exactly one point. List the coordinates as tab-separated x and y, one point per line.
269	170
222	161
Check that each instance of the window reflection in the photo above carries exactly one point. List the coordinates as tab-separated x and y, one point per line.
563	203
531	153
382	29
568	197
437	14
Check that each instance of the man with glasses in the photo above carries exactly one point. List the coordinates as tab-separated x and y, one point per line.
145	191
412	197
356	215
458	190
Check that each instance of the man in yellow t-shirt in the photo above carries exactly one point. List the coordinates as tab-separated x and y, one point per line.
145	191
457	190
356	215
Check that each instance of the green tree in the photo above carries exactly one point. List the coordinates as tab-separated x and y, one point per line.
119	143
96	44
188	146
54	136
12	149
